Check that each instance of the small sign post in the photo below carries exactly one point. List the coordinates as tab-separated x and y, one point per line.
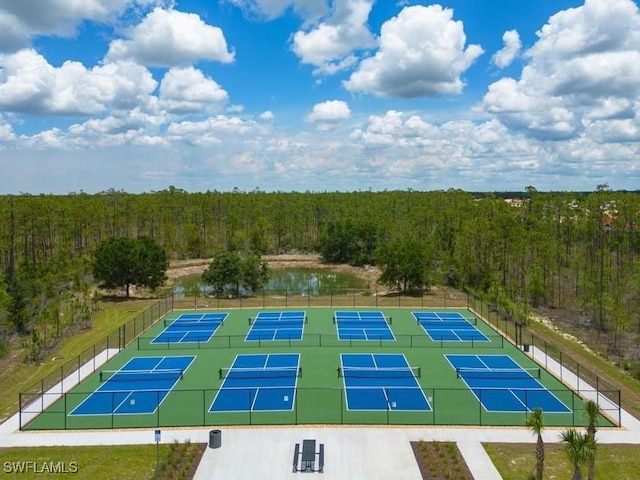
157	438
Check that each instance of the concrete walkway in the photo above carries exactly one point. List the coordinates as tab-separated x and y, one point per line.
351	452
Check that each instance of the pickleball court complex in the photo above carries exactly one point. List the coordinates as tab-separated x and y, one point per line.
319	365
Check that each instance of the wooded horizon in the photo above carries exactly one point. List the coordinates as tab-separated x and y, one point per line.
558	250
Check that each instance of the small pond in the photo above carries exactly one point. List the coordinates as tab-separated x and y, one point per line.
291	281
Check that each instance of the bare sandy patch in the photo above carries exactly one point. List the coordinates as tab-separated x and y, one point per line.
185	268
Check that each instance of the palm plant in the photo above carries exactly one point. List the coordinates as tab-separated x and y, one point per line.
580	449
536	425
592	413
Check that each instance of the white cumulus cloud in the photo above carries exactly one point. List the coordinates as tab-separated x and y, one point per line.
584	67
21	19
211	130
512	47
331	111
6	131
171	38
188	90
329	45
267	115
422	52
29	84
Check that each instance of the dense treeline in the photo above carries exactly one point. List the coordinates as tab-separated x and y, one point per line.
567	250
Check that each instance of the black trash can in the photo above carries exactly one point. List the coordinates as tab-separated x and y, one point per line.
525	347
215	438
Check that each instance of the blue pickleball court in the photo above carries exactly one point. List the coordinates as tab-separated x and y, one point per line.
272	326
362	325
502	385
139	387
191	328
381	381
260	382
449	327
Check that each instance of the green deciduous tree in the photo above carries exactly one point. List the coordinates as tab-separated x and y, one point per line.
122	262
349	241
150	262
254	272
229	271
405	264
224	271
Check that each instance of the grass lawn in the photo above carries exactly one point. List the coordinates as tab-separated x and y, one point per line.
517	461
17	375
134	462
629	386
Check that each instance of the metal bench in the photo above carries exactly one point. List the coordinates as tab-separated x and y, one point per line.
296	457
321	458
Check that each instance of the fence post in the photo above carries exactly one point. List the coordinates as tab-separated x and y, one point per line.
619	408
546	356
433	404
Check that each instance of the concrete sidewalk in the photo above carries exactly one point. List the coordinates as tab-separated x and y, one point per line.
350	453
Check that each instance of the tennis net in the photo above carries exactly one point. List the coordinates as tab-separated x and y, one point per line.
272	322
391	372
353	321
133	375
282	372
445	322
193	323
515	373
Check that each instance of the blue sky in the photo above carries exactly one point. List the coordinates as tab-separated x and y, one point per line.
318	95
